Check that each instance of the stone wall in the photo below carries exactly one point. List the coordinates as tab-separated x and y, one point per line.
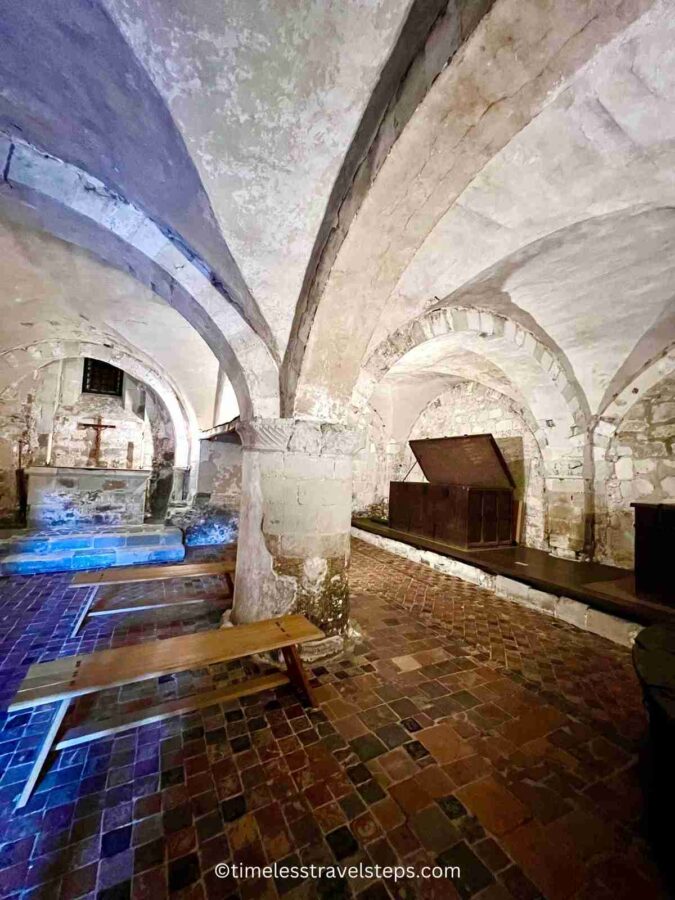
466	408
14	450
39	420
213	517
641	466
370	488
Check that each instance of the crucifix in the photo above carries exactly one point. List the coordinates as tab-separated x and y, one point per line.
98	426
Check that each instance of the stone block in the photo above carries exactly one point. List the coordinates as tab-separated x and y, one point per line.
135	540
624	468
26	564
524	594
507	587
91	559
620	631
323	546
165	554
31	545
571	611
70	543
306	438
109	540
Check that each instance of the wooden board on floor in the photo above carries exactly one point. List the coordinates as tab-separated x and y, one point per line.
130	574
109	606
77	675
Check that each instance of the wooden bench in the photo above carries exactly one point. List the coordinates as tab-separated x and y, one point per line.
133	574
73	676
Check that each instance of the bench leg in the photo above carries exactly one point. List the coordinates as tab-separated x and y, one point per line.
45	747
91	596
297	674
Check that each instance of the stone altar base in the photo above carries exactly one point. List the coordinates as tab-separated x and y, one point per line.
26	552
64	496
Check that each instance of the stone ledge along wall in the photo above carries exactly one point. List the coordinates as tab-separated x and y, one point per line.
466	408
39	425
641	466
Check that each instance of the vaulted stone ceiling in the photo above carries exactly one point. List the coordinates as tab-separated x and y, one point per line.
267	98
523	165
535	180
53	291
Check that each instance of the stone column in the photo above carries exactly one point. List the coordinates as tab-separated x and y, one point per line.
295	520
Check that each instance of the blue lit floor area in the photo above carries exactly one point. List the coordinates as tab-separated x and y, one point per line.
30	552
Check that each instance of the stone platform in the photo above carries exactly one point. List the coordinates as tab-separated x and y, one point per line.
592	596
29	552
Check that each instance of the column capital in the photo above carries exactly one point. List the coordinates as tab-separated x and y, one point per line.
300	436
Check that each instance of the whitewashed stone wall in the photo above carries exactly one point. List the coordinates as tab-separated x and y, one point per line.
466	408
39	426
14	449
370	487
641	466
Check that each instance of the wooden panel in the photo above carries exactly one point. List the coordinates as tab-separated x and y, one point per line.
474	526
126	665
473	460
92	731
131	574
505	526
489	517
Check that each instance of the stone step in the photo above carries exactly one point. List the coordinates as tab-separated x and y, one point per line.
47	543
74	560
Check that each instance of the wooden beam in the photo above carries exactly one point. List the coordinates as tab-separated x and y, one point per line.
91	596
92	731
297	674
132	574
45	747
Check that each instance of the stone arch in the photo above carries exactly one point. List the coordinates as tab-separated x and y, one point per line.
554	390
555	401
18	363
80	209
622	472
650	374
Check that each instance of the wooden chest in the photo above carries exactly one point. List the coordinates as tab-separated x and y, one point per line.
469	499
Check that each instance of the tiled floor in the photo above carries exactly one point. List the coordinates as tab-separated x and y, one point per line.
461	729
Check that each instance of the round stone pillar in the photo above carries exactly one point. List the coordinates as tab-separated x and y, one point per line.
295	519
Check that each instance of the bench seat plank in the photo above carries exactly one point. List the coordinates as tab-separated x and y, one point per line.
125	665
131	574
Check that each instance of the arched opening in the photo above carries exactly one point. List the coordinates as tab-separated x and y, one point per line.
65	415
637	465
484	373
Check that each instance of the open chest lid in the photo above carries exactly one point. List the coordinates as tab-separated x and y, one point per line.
471	459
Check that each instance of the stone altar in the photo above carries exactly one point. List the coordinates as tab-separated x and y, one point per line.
65	496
